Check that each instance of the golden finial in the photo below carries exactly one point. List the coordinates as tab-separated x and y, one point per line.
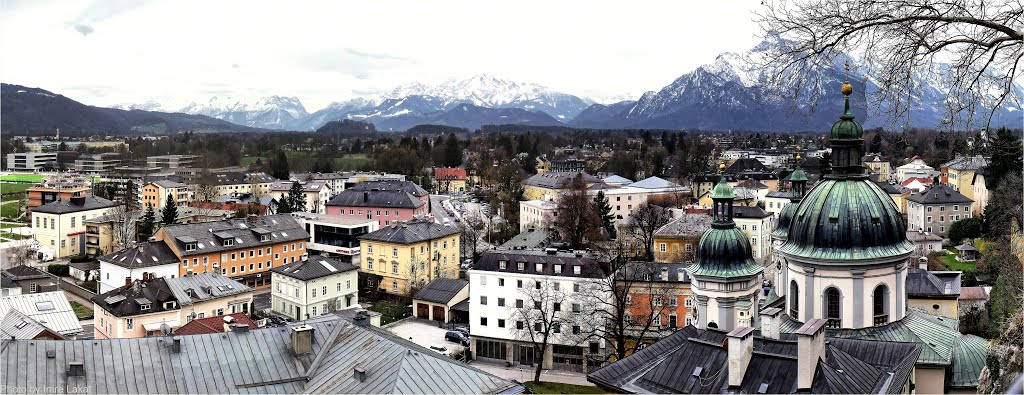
721	167
847	88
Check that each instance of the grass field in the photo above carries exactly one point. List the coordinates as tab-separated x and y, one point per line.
950	260
303	161
545	387
390	311
81	311
9	210
22	178
13	191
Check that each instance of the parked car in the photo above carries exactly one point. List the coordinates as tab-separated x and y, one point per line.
457	337
441	350
463	329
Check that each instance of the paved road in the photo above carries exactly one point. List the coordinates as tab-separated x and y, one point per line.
437	207
261	301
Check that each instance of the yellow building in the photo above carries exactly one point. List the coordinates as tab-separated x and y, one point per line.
408	255
104	234
450	179
959	173
155	194
878	165
547	186
60	226
934	292
543	165
677	240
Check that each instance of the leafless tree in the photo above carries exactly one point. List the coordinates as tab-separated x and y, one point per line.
204	194
123	226
577	220
642	224
543	315
982	41
16	256
470	229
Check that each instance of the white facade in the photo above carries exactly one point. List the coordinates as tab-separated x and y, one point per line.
113	276
316	201
625	200
856	289
306	299
335	234
774	205
536	214
914	169
759	232
31	161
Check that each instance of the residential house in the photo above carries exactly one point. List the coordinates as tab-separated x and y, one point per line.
934	292
917	184
757	224
53	188
936	209
972	299
536	214
448	180
326	355
155	194
85	271
677	240
503	284
915	168
924	242
208	295
659	292
626	199
31	280
407	255
342	180
316	286
386	201
877	165
898	193
242	249
335	235
440	300
980	193
549	185
60	225
148	258
18	325
774	202
531	238
317	194
236	182
960	172
107	233
51	309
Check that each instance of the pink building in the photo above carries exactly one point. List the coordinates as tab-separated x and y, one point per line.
386	206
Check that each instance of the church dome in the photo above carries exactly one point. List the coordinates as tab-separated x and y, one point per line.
724	252
847	128
844	220
781	231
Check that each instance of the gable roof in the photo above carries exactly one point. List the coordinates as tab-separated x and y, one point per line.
74	205
749	212
315	267
376	198
127	301
23	272
391	185
17	325
892	189
214	324
307	186
51	309
258	361
441	290
686	226
558	179
245	232
743	165
147	254
966	163
940	194
529	238
654	183
616	179
410	232
933	284
450	173
973	293
204	287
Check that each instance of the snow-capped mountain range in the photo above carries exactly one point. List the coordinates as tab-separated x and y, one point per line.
727	94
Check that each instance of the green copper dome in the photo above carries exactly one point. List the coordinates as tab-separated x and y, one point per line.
843	220
781	231
846	127
798	175
724	252
722	190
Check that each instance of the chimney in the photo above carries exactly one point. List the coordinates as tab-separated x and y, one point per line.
366	197
740	349
228	320
176	344
810	348
771	321
922	263
128	281
302	339
78	200
252	218
359	373
76	369
240	328
362	318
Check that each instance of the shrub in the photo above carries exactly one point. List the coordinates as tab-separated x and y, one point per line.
59	269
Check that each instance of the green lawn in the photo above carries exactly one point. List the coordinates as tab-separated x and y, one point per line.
9	210
390	311
81	311
13	191
545	387
950	260
22	178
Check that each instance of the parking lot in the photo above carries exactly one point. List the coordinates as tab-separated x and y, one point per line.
424	333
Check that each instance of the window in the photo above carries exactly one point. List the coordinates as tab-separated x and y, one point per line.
832	308
483	300
575	287
880	305
536	304
956	208
501	302
539	267
483	280
657	300
129	324
519	303
369	264
929	219
519	283
536	284
501	264
501	323
657	320
942	208
72	222
501	282
338	289
688	302
576	308
673	301
394	286
558	269
394	252
520	266
794	300
576	270
556	306
929	209
519	325
145	306
483	321
662	247
536	327
348	284
229	242
232	256
394	268
314	292
369	248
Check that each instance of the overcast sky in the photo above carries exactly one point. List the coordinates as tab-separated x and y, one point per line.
108	51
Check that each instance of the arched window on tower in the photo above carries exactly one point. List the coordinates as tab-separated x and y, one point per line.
832	310
880	305
794	300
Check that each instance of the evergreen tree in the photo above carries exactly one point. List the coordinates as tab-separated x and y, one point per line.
284	205
170	212
1007	154
876	144
148	224
604	209
453	151
279	168
296	198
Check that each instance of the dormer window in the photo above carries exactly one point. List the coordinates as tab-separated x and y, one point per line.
576	270
190	246
264	238
229	242
145	307
558	268
502	265
539	267
521	266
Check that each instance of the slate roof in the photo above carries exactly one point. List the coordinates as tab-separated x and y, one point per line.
441	290
168	184
236	178
7	282
781	195
376	198
530	238
557	179
315	267
695	361
22	272
751	183
686	226
204	287
64	206
654	183
51	309
933	284
307	186
391	185
616	179
410	232
916	236
939	194
126	301
17	325
746	165
147	254
258	361
967	163
282	228
749	212
213	324
892	189
589	267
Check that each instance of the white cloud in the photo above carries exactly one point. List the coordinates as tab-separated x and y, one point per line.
177	52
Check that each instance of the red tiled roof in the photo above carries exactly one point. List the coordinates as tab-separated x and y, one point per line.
450	173
973	293
923	180
213	324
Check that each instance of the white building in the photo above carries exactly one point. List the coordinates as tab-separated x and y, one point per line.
122	268
757	224
313	287
774	202
536	214
335	234
624	200
508	287
31	161
915	169
317	194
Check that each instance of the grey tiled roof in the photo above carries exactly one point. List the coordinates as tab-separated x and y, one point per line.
383	199
282	228
686	226
557	179
51	309
743	165
258	361
967	163
410	232
63	206
654	183
169	184
143	255
940	284
307	186
939	194
749	212
391	185
892	189
125	301
22	272
315	267
236	178
204	287
441	290
17	325
589	267
530	238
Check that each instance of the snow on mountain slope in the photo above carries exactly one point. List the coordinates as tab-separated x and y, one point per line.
273	112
